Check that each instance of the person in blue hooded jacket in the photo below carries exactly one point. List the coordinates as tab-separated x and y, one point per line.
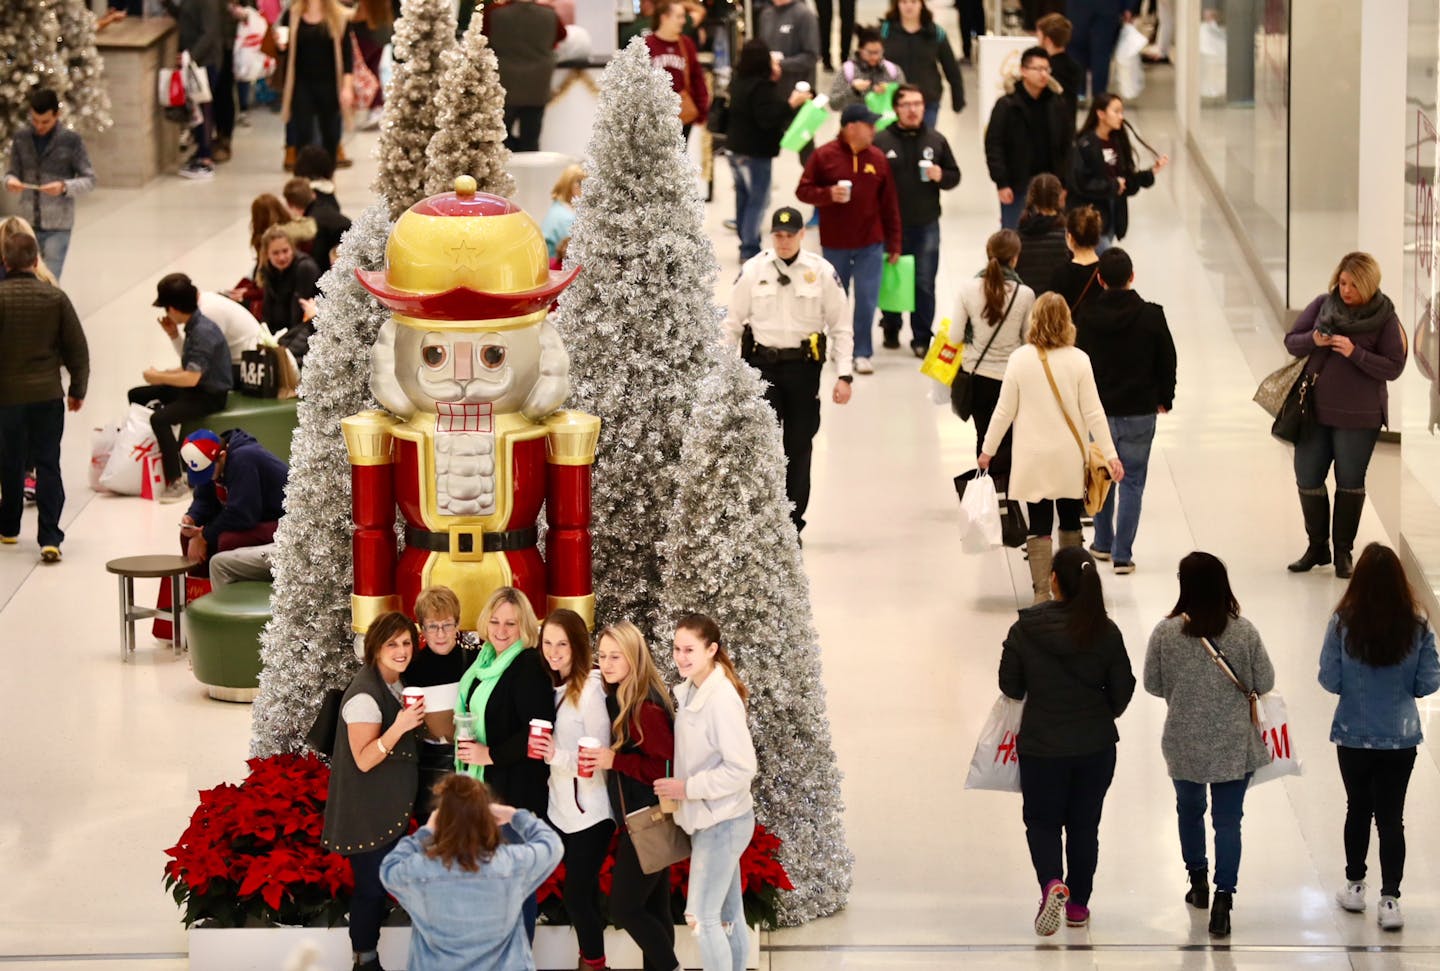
239	490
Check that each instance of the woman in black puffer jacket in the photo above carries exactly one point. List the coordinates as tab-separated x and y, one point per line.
919	47
759	114
1043	248
290	278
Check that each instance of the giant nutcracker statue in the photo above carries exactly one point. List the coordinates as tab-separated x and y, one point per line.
472	443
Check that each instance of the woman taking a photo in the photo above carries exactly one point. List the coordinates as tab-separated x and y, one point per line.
640	751
1355	345
460	863
289	281
1066	660
1104	173
319	77
1209	738
993	307
759	114
507	686
1049	395
1043	245
1378	656
714	765
579	807
373	775
1079	279
918	46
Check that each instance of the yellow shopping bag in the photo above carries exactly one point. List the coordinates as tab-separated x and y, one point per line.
942	360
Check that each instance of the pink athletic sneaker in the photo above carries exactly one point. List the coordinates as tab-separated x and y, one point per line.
1052	908
1076	916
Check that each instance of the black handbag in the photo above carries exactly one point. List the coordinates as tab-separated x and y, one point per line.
1297	411
260	372
962	388
719	121
321	736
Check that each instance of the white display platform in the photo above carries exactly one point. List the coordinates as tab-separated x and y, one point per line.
998	58
272	948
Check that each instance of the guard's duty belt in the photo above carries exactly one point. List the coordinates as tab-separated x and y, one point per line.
780	355
514	539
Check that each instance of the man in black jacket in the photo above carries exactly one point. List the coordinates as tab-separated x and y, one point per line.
39	334
1133	357
923	164
1030	132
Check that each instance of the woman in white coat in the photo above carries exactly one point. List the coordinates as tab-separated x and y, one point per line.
579	806
714	765
1048	471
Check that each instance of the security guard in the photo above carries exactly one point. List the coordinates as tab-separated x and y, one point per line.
786	311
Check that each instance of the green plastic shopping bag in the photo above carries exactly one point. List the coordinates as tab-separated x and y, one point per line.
897	286
807	122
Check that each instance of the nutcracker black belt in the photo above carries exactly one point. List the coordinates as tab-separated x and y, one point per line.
514	539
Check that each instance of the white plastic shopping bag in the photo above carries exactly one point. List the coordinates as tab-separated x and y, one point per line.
1129	73
125	471
102	443
1279	740
996	762
980	516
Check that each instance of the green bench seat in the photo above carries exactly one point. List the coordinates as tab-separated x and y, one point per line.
270	421
222	632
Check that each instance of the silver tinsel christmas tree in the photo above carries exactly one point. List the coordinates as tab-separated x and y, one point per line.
470	139
29	59
424	32
87	103
731	552
636	323
307	646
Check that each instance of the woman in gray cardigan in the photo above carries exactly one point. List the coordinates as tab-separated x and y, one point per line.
1209	738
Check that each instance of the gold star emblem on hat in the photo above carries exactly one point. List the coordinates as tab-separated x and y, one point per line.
784	217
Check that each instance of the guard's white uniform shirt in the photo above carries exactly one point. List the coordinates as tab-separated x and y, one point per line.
785	316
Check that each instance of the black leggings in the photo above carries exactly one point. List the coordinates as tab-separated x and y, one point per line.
1042	515
584	855
1375	783
640	905
982	408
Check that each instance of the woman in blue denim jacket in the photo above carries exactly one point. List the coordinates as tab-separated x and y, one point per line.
1379	656
463	882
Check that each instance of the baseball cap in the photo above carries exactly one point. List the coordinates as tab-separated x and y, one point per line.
787	219
857	112
176	290
198	454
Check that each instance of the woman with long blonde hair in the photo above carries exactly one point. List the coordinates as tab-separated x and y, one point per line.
16	225
561	218
1049	395
640	752
319	77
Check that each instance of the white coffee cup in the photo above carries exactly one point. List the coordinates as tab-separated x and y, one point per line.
848	186
282	37
587	744
802	87
412	697
925	164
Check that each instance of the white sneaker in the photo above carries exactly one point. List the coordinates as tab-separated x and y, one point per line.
1390	918
243	119
863	366
1352	896
175	491
197	170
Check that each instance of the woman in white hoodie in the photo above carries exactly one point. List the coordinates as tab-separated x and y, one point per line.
579	806
714	765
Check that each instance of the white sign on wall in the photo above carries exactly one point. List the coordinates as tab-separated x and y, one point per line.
997	61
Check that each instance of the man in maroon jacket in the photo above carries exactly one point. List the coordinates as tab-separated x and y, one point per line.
850	182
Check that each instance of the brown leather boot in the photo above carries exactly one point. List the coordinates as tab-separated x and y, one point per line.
289	158
341	161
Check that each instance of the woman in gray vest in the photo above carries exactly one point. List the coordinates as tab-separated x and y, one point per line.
373	775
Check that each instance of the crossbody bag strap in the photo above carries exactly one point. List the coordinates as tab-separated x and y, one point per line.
1045	363
1003	317
1223	663
1088	284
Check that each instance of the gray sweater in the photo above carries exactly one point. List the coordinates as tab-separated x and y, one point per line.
1208	734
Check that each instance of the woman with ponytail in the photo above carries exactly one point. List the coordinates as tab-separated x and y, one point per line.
714	765
993	307
1043	245
1066	659
1103	169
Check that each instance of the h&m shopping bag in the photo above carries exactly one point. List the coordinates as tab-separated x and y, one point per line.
1279	740
897	286
996	762
125	471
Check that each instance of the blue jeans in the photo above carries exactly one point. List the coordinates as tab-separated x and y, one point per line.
863	265
1228	807
54	246
752	198
714	901
1114	533
1010	212
1349	449
32	432
367	903
924	243
932	113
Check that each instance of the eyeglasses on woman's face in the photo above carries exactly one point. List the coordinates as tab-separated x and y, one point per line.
440	629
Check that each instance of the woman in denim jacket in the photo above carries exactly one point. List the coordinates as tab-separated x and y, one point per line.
1379	656
463	882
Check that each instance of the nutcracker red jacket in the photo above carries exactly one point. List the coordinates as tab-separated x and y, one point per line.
873	213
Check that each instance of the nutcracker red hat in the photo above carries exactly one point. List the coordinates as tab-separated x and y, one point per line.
466	256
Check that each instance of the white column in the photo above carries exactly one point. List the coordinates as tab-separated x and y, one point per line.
600	19
1185	55
1380	228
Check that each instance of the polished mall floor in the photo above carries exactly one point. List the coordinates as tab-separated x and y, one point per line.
102	760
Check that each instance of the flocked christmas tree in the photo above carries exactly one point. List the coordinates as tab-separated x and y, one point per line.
29	59
424	32
689	481
636	323
731	552
470	138
87	103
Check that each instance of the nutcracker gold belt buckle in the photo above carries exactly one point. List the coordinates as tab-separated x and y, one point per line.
467	544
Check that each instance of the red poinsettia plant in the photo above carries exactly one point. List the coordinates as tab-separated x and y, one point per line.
762	880
252	855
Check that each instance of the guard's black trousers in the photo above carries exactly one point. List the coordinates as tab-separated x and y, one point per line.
793	390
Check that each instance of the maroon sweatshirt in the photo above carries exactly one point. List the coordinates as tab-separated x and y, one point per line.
873	213
679	58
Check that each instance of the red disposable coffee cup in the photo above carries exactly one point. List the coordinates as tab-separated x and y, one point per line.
587	768
412	697
540	729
